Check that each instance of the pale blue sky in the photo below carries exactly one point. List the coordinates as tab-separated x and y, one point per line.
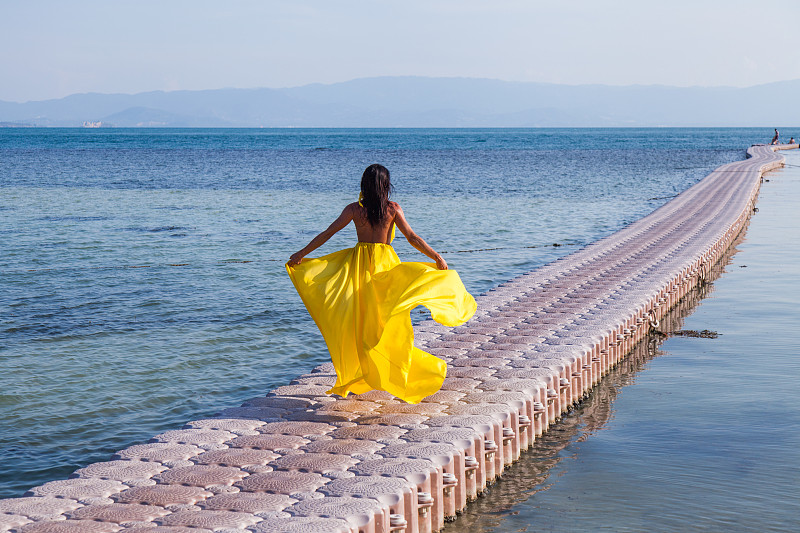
55	48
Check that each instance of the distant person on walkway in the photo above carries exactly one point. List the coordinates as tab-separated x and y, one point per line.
775	138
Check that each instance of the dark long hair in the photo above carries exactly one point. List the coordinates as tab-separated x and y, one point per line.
375	190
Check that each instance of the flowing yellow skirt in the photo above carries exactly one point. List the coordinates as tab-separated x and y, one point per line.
361	299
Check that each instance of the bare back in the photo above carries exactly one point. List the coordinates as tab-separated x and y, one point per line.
366	232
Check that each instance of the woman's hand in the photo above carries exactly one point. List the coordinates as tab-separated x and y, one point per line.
441	264
295	259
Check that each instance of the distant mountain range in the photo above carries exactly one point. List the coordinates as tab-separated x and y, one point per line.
423	102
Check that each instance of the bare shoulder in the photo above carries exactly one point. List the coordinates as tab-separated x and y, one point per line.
395	207
349	212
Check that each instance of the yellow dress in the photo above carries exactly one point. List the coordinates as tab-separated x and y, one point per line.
361	299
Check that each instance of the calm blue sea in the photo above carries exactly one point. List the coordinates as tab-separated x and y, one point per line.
141	271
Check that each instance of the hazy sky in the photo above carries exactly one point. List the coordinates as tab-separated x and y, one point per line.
52	48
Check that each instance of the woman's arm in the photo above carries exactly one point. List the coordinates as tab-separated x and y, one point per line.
343	220
415	240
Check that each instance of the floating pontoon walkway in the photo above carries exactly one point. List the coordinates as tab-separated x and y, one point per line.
298	460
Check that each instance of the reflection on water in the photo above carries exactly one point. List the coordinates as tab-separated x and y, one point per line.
500	509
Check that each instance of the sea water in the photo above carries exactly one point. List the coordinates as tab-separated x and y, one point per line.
696	433
141	271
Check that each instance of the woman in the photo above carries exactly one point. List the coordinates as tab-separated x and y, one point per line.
361	298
